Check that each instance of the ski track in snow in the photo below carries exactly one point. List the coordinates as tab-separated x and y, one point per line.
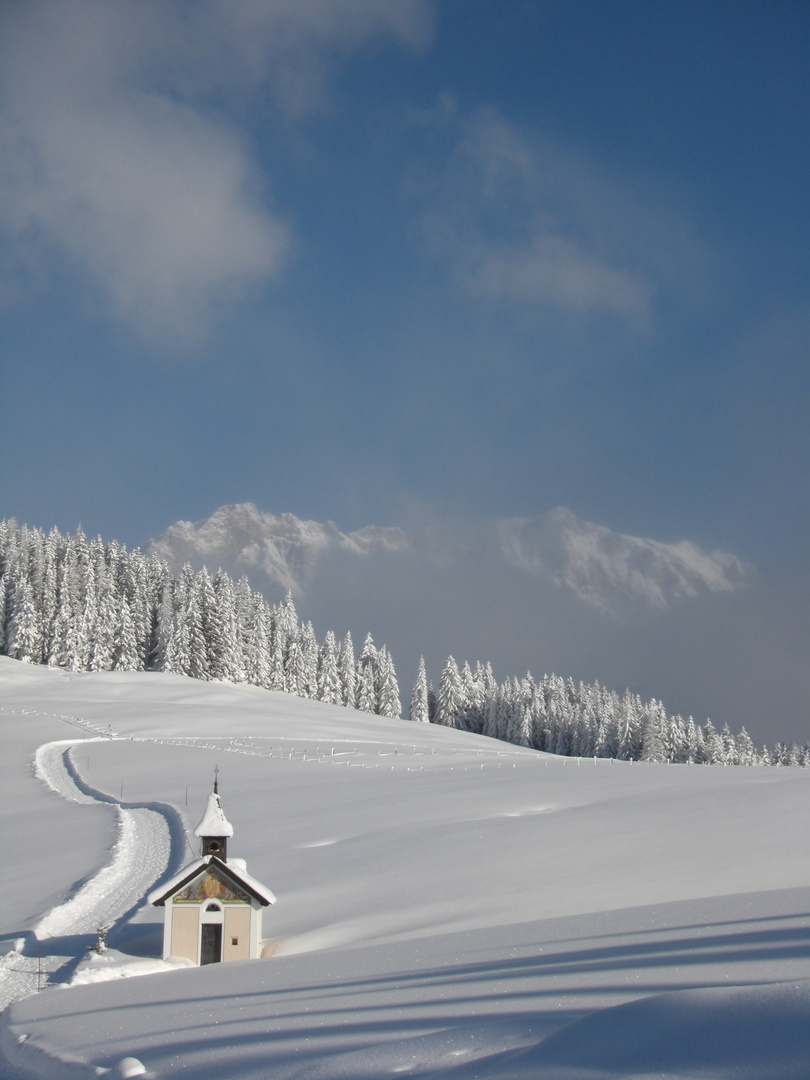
140	855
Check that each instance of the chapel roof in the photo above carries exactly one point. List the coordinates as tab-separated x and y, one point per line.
237	874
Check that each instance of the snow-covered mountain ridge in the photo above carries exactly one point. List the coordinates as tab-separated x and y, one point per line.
600	565
606	569
283	547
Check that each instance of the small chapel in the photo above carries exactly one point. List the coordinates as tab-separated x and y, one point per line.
213	907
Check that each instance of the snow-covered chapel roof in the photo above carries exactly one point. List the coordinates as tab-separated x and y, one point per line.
214	822
235	869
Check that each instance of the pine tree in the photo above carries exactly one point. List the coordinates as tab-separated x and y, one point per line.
367	677
564	746
729	745
507	710
676	745
348	672
329	687
629	723
276	674
693	752
285	639
164	631
448	699
177	656
467	699
418	710
208	615
24	637
652	741
523	731
257	649
713	746
557	709
746	754
102	646
513	720
157	591
125	649
388	703
50	592
589	726
491	723
231	657
243	608
309	662
539	718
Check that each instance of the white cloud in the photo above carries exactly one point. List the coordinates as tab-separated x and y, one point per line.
517	218
115	163
551	269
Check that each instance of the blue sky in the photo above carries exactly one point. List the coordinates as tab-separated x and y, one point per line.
379	260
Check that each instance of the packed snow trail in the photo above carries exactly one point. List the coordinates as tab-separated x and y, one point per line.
140	856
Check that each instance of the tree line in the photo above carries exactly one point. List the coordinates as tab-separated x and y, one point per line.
90	606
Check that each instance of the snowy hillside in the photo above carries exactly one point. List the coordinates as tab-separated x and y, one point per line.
447	905
603	568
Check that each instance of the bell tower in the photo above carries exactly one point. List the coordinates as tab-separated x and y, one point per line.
214	829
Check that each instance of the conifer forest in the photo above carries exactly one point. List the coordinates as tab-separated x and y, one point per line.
93	606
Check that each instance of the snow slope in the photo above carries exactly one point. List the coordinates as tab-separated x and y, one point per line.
447	905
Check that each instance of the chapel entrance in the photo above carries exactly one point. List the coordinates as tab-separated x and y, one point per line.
211	943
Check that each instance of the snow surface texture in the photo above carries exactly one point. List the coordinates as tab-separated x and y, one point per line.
140	856
607	570
447	906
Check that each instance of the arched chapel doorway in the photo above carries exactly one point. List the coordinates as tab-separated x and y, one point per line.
211	934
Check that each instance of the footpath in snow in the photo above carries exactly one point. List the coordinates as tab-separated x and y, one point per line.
141	855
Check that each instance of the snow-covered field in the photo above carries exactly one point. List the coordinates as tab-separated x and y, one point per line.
447	905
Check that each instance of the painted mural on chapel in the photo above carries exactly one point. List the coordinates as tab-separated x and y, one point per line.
210	886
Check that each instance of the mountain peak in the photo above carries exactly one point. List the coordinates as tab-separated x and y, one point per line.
609	569
284	547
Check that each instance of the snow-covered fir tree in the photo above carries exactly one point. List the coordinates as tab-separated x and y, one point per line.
348	672
329	688
418	711
449	701
388	703
367	676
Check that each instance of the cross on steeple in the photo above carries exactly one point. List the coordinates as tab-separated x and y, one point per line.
216	781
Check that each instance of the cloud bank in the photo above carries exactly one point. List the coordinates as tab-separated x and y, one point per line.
516	218
120	160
